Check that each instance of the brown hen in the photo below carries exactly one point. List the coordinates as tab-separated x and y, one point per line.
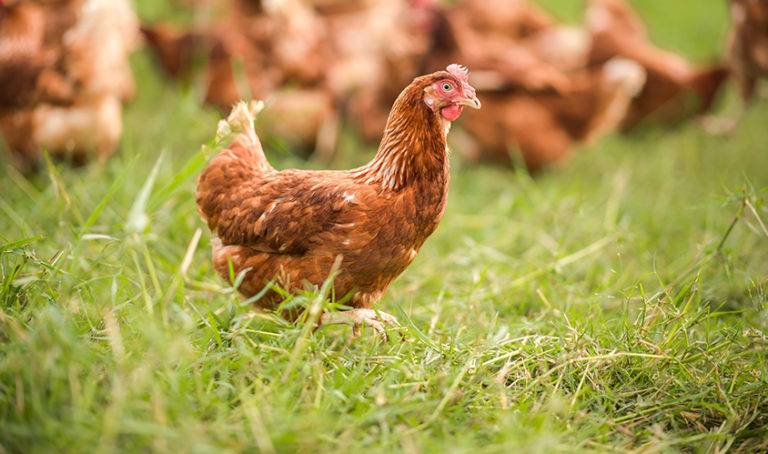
290	226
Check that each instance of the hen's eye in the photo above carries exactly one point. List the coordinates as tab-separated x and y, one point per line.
447	86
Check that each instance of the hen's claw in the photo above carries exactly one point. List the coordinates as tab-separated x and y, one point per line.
358	317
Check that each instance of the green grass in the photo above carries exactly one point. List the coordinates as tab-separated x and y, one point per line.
615	303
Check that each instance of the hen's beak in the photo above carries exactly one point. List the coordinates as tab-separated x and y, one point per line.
470	101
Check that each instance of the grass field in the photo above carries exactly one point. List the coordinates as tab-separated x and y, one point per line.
617	303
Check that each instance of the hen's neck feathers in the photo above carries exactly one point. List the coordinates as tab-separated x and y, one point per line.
413	148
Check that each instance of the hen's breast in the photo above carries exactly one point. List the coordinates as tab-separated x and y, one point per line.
382	236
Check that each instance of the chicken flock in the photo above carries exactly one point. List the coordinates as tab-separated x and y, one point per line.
547	87
383	68
323	65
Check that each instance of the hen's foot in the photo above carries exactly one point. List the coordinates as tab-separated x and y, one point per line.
358	317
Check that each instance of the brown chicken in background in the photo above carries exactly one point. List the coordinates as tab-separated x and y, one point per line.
551	87
73	56
368	50
545	128
370	73
262	50
22	35
491	37
748	45
275	52
174	48
617	31
291	225
541	98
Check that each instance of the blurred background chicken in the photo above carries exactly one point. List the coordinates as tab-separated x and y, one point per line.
544	128
73	55
492	38
326	65
549	87
748	44
271	50
746	55
617	31
370	72
542	97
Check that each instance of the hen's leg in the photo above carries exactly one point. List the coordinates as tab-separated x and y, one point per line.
358	317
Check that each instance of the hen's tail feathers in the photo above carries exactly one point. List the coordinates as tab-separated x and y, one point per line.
240	122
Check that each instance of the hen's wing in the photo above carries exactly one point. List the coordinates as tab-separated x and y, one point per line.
246	202
283	212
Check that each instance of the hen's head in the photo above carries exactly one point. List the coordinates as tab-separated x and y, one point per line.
449	91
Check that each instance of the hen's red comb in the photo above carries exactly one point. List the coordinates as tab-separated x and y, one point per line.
461	73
